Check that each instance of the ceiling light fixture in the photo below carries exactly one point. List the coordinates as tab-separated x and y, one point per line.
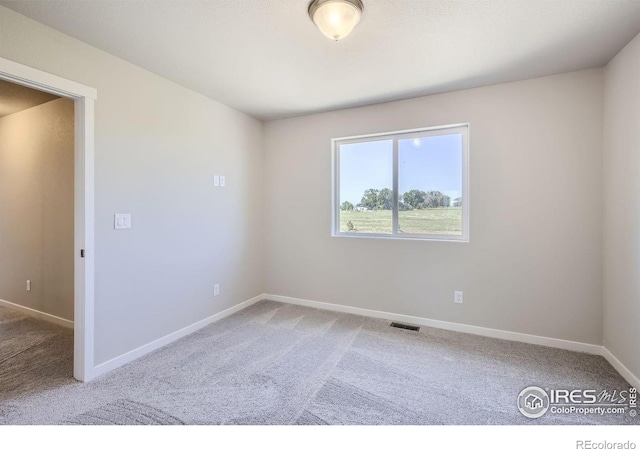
336	18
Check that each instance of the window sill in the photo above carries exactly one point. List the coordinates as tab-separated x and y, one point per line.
393	237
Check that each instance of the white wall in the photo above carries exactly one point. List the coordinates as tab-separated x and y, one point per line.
622	207
534	262
36	208
158	146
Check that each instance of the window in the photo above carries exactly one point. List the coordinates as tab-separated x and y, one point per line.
407	184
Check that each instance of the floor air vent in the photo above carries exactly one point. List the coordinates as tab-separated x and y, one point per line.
408	327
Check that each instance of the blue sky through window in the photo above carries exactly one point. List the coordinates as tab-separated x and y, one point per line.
427	163
366	165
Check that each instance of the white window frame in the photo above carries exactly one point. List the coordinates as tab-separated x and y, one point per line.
461	128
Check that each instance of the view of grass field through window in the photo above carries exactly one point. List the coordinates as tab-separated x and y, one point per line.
429	186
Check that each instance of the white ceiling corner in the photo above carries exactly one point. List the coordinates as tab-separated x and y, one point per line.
266	58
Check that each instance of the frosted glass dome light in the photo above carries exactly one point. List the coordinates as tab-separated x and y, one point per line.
336	18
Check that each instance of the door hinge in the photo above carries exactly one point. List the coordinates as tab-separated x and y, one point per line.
81	253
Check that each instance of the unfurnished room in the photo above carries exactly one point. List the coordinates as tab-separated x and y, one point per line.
290	214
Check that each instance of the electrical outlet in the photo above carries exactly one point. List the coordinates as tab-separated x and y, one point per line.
223	181
458	298
28	285
216	289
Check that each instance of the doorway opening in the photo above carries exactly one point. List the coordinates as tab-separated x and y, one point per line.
80	100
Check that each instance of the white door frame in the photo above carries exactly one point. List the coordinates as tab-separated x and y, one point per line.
83	302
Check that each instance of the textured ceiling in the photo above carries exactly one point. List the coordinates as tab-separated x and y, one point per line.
15	98
266	58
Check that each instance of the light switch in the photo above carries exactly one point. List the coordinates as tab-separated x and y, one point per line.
222	181
216	181
122	221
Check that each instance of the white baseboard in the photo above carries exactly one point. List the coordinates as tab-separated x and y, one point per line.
134	354
623	370
466	328
37	314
